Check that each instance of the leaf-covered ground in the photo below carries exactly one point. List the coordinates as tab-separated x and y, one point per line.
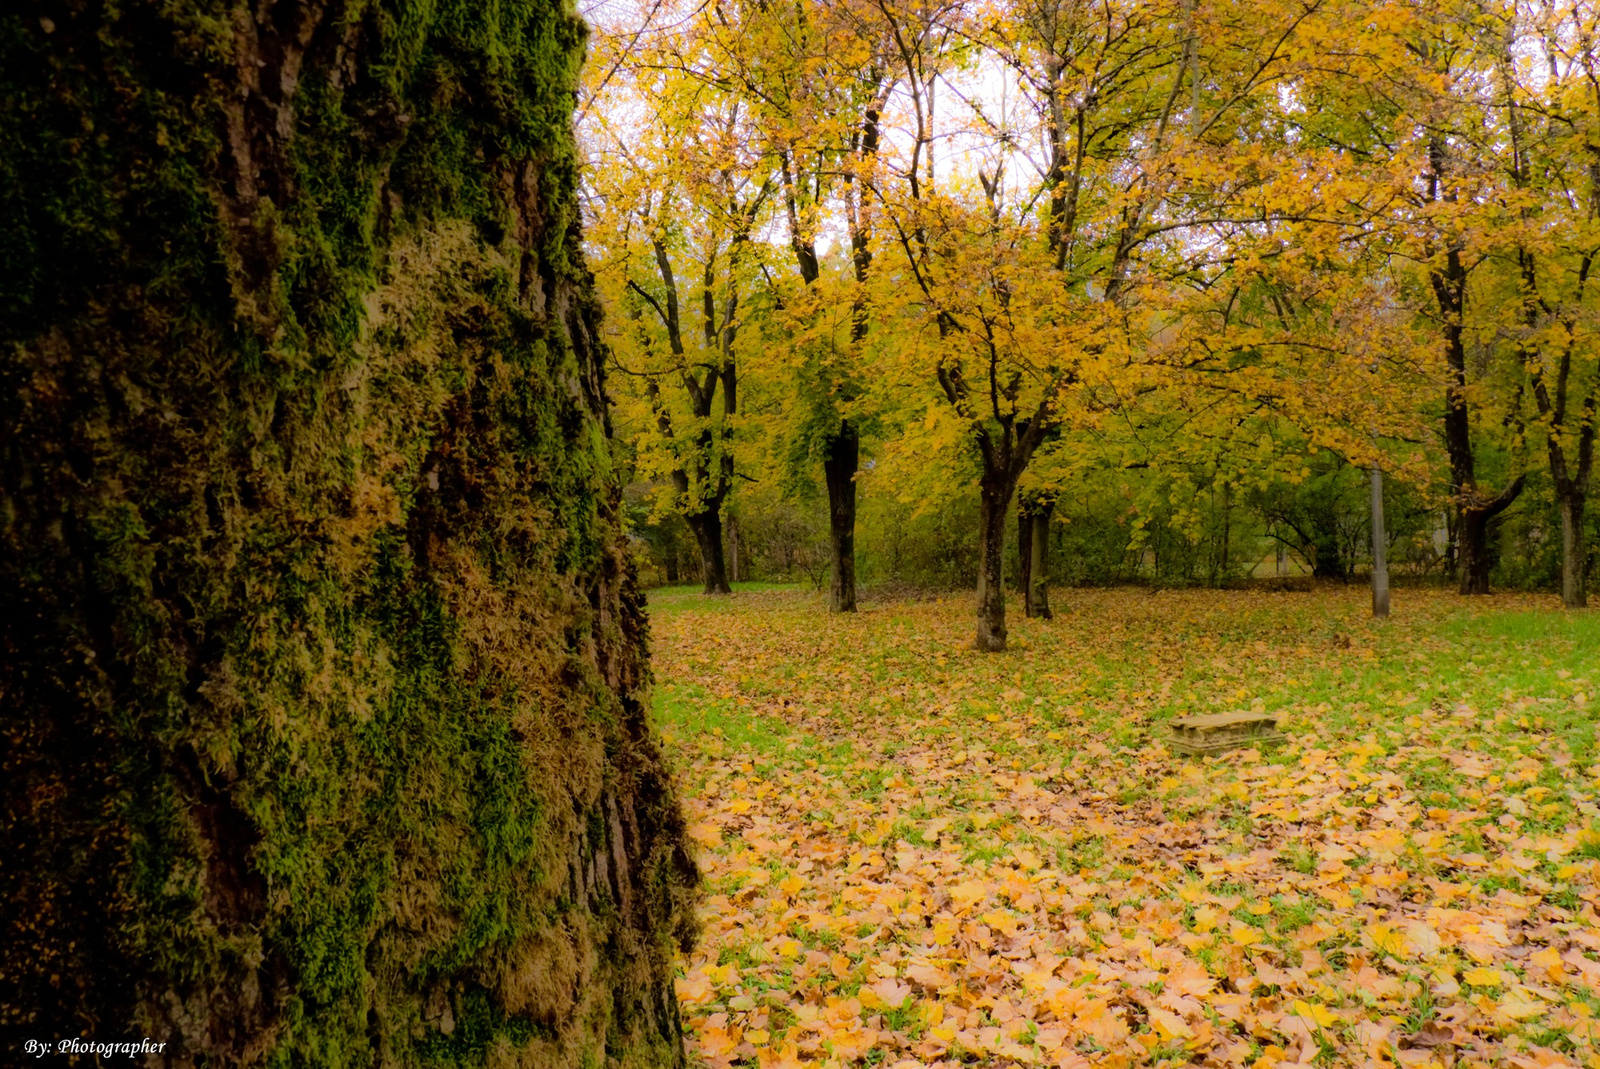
918	854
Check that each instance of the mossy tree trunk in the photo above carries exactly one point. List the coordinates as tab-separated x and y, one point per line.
321	661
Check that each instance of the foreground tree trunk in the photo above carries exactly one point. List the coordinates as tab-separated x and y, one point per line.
322	664
1570	473
1472	553
839	468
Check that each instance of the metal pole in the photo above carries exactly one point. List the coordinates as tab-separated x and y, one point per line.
1380	561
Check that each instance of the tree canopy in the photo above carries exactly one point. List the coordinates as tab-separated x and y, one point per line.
1190	257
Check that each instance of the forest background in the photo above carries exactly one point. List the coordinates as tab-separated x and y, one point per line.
1098	291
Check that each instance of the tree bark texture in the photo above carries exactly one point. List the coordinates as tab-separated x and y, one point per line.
1571	478
1473	559
839	468
321	659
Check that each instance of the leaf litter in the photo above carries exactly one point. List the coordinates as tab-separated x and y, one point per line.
916	854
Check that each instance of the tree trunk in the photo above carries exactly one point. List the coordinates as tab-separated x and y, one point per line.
995	497
1326	563
1227	525
1472	535
1038	587
839	467
322	663
733	550
1574	552
1025	555
1380	548
1572	491
1283	560
1452	531
1472	551
1474	510
707	527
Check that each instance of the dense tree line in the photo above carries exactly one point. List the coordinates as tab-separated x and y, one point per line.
1092	290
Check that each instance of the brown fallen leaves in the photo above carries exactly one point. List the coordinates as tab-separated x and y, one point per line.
917	855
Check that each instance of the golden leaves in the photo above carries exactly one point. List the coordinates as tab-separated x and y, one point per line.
912	883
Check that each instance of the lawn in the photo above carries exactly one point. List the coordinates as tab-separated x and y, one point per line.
918	854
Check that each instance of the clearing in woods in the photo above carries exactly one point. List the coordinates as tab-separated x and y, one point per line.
919	854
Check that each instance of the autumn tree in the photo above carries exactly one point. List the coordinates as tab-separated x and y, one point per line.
813	78
1548	81
1043	273
678	190
1418	96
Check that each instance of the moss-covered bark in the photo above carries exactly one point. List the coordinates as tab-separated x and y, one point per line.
320	660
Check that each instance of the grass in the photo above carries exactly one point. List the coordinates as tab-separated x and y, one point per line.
918	854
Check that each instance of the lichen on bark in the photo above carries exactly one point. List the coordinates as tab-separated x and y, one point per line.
321	661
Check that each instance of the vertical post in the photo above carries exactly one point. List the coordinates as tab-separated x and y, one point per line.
1380	547
1283	560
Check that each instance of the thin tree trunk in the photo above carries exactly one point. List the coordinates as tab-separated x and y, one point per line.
1038	587
1283	560
1380	546
1227	527
839	468
707	527
995	498
1574	552
1572	494
733	549
1025	555
1452	529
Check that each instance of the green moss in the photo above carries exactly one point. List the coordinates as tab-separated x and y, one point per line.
322	668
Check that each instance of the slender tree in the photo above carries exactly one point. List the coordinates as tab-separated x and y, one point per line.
678	190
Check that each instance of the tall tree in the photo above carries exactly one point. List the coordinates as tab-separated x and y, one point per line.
1436	112
1549	78
321	661
679	188
1038	310
814	76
